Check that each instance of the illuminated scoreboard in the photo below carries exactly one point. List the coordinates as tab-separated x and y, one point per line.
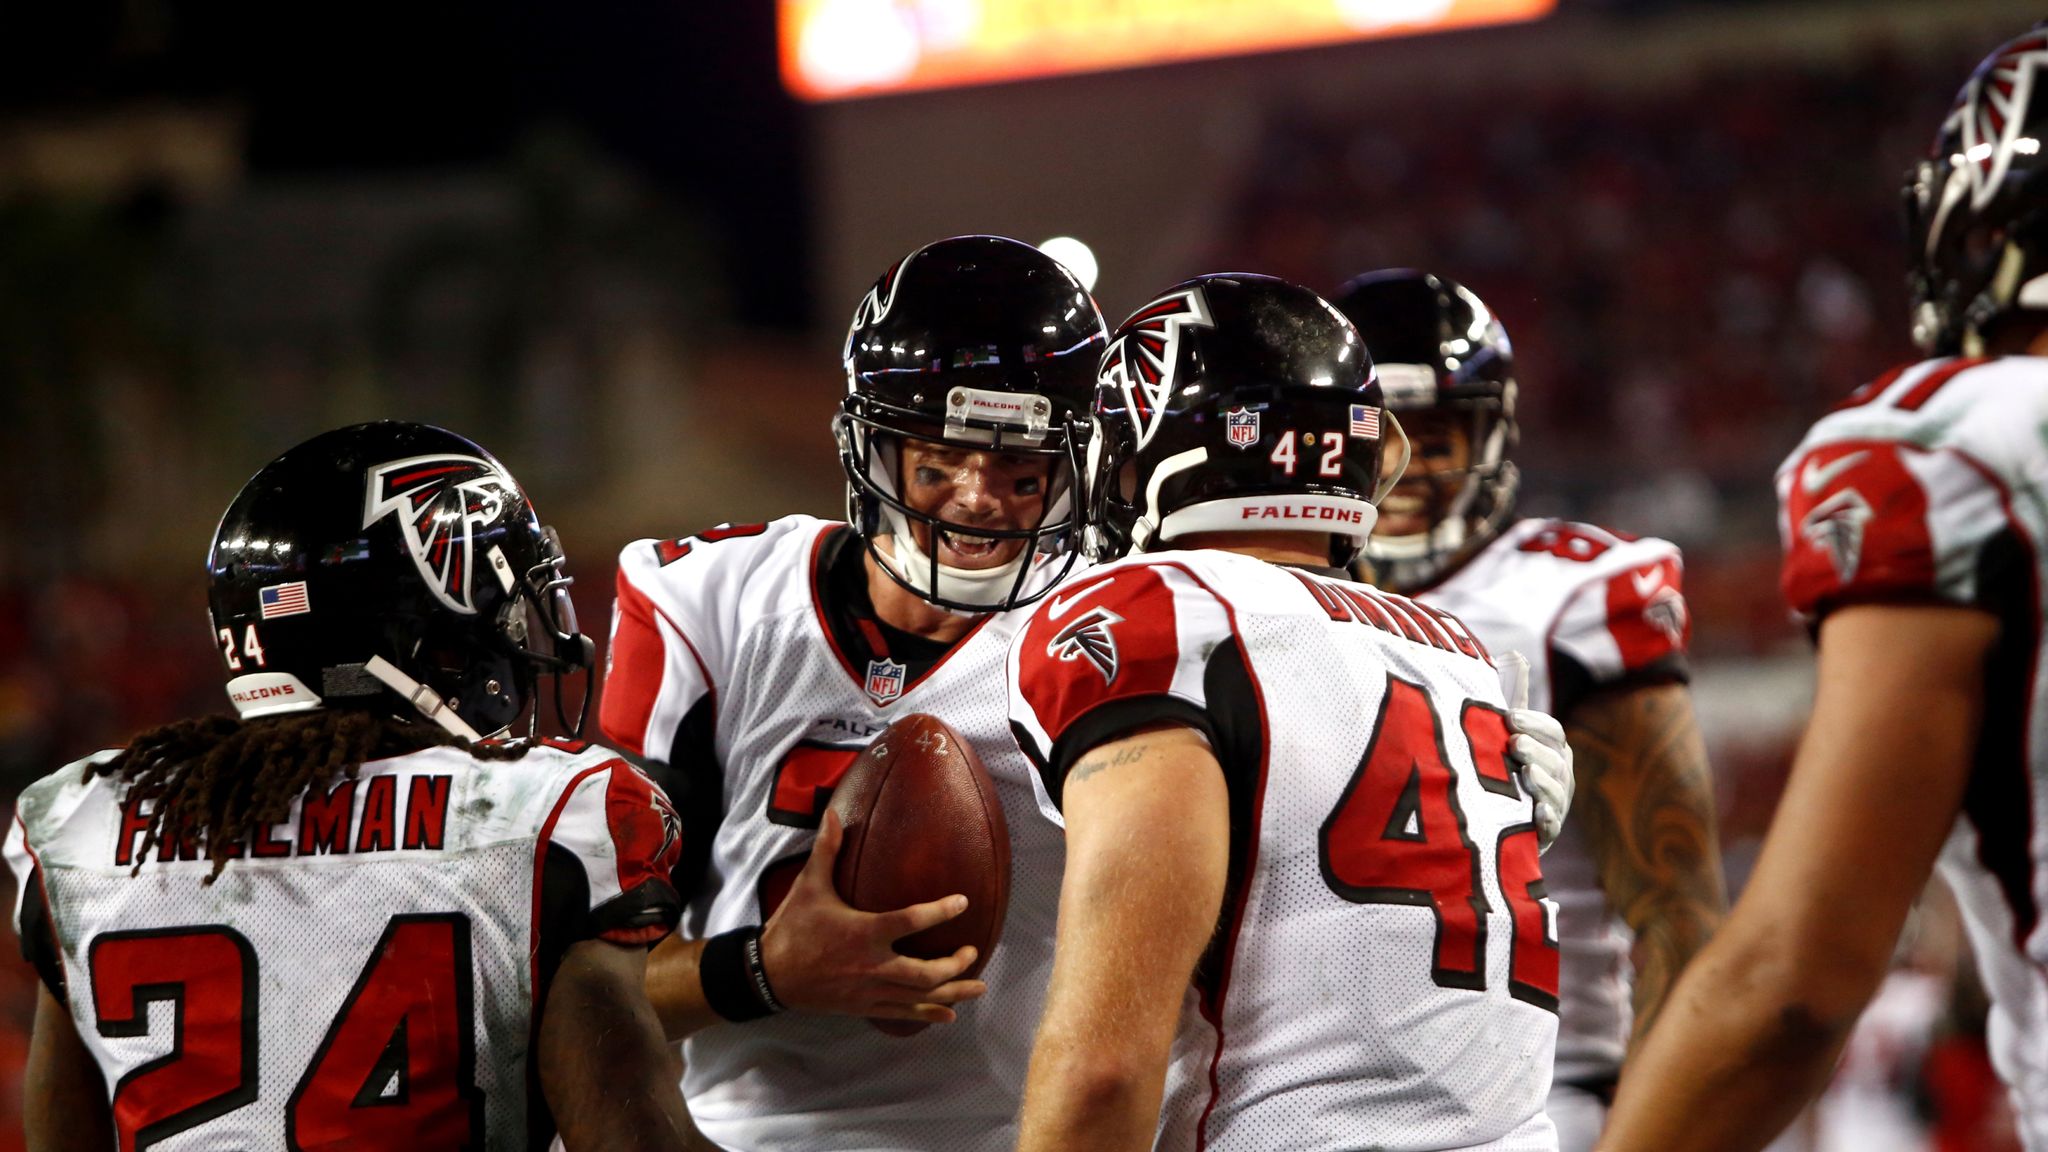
836	49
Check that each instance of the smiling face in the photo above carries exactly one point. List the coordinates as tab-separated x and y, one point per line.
974	488
1442	448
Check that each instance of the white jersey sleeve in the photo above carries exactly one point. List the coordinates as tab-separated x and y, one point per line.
1123	646
616	837
1624	616
1903	491
678	623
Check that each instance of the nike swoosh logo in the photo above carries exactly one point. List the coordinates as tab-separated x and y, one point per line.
1815	478
1058	606
1648	582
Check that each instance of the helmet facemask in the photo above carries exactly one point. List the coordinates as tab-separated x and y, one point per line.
871	448
1465	506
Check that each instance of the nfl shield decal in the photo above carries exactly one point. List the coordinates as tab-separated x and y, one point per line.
885	680
1241	427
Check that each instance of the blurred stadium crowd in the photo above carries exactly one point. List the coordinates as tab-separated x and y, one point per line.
1691	272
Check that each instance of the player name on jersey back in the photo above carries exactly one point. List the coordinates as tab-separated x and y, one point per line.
390	814
414	910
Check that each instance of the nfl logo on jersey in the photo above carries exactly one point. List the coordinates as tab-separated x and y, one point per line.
885	680
1241	426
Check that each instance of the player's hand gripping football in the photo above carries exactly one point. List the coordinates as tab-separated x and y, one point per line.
823	955
1539	750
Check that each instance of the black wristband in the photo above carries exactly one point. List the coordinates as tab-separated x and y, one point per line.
735	982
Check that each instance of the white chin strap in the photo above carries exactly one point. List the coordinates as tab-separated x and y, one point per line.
985	587
423	698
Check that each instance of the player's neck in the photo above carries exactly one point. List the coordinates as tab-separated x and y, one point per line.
902	609
1311	549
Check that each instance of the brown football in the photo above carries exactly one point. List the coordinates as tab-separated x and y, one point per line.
922	821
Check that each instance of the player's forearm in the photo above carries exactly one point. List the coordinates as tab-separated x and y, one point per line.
64	1106
1744	1042
1090	1097
609	1078
1646	806
675	989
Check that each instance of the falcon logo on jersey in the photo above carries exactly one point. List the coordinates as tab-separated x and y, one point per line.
671	824
1241	427
885	680
440	502
1140	363
1666	613
1836	524
1090	636
1988	117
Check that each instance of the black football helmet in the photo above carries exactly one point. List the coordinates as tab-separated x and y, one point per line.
1235	402
976	341
396	567
1975	215
1439	349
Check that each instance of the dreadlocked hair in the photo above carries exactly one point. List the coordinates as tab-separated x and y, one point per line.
215	780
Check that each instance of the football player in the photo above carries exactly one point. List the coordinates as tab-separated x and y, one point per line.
756	661
344	918
1302	902
1912	519
1603	619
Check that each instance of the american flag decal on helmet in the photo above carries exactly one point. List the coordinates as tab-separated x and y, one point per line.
440	501
1140	362
1990	114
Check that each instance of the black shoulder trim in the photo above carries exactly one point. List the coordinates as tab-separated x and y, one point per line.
1571	684
1107	722
39	939
694	782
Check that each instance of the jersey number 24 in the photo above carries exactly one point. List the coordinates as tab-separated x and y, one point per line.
396	1068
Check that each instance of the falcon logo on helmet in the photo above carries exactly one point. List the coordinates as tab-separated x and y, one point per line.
874	307
439	502
1141	362
1990	115
1089	635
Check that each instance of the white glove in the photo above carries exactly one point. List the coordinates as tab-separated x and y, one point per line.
1541	755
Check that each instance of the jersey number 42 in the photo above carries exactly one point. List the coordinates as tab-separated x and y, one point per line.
1399	836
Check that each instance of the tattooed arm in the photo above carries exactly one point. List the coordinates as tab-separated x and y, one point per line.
1148	843
1754	1026
1646	806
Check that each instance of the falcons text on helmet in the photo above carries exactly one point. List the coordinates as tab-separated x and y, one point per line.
439	502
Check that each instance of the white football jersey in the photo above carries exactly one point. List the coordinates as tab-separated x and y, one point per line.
1385	973
727	665
1589	609
1927	485
367	971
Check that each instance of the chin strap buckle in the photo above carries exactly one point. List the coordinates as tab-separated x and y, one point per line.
424	700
